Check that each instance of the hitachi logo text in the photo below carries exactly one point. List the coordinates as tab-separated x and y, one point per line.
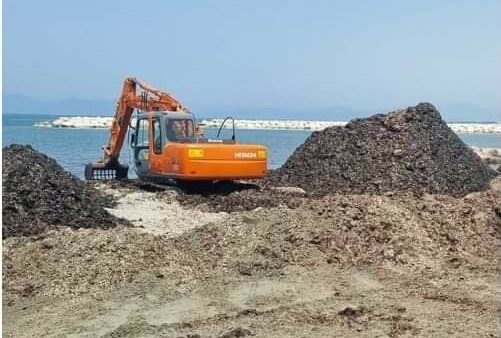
245	155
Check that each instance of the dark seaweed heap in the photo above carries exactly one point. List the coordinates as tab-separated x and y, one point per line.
411	149
38	194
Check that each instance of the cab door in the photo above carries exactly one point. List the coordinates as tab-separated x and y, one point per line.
157	144
141	147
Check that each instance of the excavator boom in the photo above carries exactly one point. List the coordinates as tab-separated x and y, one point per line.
151	99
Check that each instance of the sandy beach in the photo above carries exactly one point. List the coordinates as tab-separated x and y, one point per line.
267	272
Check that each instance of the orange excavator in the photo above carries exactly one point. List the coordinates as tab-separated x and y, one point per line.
168	144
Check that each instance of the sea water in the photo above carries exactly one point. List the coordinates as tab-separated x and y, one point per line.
74	148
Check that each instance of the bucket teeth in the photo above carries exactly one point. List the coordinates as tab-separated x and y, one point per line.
102	172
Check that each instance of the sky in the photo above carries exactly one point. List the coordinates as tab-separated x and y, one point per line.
295	59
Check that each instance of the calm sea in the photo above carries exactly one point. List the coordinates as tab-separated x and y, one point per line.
73	148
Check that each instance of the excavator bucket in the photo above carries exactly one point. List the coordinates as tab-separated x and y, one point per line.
100	171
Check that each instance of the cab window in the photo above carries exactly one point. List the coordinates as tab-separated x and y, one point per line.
142	133
180	130
157	137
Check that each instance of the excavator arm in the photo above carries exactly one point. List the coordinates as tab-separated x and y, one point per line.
148	100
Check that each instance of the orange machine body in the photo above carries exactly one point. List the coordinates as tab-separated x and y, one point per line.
195	162
191	158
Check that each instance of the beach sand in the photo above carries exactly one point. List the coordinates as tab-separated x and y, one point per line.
352	266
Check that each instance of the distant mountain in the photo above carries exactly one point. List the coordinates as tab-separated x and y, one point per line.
451	112
335	113
465	112
20	104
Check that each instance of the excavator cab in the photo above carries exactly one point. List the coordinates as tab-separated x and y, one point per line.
159	129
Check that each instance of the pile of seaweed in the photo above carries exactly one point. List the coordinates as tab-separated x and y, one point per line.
411	149
38	194
239	197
